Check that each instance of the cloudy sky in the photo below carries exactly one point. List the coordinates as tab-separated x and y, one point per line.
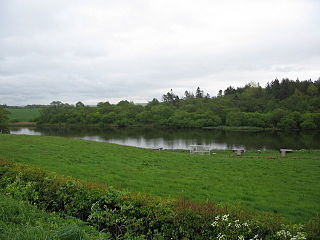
109	50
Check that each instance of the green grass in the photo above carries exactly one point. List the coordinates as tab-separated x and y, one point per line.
23	114
288	186
22	221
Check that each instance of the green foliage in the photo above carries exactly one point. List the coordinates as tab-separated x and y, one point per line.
308	124
3	119
22	221
234	119
312	90
313	228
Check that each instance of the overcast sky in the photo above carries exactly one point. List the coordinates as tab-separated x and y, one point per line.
109	50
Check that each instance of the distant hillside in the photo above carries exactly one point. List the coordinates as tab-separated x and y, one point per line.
23	114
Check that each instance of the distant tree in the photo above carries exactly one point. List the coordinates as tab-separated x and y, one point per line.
153	102
79	104
312	90
317	84
188	95
105	107
161	113
287	88
58	106
254	119
145	117
234	119
287	104
297	93
199	93
273	88
308	123
169	97
230	90
3	119
124	103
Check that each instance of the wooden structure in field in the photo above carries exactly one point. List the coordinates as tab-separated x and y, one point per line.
239	152
199	149
285	151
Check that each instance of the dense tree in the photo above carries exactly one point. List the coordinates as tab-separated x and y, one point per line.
284	104
188	95
153	102
230	90
79	104
312	90
170	97
199	93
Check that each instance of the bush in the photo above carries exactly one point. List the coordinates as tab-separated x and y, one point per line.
308	124
313	228
22	221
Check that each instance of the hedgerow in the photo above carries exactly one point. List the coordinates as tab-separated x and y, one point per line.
22	221
125	215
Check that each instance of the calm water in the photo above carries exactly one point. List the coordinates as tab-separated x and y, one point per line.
182	139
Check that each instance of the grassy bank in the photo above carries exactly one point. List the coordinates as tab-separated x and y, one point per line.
287	186
22	221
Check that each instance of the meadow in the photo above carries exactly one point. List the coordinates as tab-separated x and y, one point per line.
288	186
23	114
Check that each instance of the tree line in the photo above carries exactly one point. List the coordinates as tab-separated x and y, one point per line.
284	104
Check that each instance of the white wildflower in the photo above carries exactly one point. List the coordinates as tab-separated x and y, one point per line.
284	234
220	236
245	224
215	223
225	217
299	236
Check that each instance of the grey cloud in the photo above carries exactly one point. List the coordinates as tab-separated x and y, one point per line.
111	50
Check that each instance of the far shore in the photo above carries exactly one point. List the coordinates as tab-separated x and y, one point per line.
22	124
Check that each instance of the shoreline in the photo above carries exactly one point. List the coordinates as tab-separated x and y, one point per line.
22	124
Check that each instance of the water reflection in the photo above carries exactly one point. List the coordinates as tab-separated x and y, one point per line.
182	138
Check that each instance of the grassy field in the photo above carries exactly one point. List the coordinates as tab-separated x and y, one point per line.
22	221
288	186
23	114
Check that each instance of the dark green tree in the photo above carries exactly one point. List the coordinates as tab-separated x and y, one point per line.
199	93
79	104
3	119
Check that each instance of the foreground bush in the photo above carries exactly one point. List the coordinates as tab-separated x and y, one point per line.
22	221
124	215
